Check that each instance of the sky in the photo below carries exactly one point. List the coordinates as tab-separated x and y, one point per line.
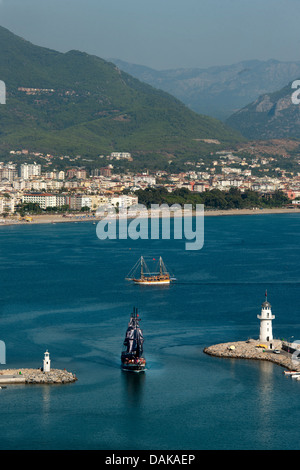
161	34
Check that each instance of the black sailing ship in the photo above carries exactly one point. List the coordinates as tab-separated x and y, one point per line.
132	356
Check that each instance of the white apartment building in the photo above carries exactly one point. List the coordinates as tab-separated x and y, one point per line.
7	205
8	172
27	170
19	185
123	201
121	155
86	201
44	200
54	185
39	185
55	175
150	180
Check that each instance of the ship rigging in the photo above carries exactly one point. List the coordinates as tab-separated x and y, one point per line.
132	356
141	274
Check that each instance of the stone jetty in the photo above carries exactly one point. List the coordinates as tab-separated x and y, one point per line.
36	376
252	349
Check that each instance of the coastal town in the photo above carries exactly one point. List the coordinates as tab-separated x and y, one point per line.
79	188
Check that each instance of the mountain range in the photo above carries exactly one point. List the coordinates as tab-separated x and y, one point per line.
270	116
222	90
75	103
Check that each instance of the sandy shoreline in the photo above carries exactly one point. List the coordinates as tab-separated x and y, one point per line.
53	219
252	211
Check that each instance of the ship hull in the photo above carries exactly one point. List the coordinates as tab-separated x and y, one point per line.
133	368
151	283
133	364
146	278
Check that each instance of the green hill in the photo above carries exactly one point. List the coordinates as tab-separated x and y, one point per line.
92	107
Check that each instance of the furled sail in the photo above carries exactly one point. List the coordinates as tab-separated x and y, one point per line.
134	339
132	355
140	273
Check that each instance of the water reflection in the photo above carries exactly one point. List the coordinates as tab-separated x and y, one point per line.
265	403
46	399
266	388
133	386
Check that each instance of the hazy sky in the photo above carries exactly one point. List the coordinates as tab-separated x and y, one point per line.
161	33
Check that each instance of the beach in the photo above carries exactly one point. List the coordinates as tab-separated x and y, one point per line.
47	219
58	218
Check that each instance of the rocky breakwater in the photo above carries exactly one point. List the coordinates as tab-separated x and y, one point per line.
252	349
36	376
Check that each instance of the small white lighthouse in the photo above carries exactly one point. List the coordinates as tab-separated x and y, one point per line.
266	317
46	362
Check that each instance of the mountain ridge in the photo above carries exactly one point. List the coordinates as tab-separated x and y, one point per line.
218	91
86	105
270	116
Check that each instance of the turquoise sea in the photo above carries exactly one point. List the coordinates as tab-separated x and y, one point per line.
63	289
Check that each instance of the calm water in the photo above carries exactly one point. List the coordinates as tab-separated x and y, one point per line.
62	289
